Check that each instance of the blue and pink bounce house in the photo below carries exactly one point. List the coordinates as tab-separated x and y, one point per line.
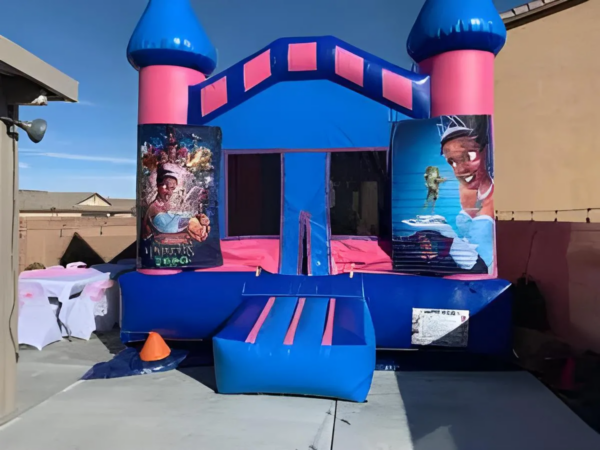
313	202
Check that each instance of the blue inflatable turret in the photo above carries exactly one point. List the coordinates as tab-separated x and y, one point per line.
169	34
448	25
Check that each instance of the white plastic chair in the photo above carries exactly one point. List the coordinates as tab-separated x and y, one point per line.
38	325
79	314
77	265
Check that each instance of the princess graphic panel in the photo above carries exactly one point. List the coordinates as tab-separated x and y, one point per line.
443	196
177	197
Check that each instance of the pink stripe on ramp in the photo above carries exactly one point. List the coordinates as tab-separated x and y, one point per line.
291	333
251	339
328	334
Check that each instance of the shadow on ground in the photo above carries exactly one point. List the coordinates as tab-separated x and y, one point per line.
462	402
111	340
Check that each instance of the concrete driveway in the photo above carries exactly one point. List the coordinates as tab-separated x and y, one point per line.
179	410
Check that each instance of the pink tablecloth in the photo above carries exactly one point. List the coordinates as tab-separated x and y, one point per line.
63	283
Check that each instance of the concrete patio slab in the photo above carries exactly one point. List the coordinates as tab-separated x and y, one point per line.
501	410
169	411
179	410
460	411
379	424
41	374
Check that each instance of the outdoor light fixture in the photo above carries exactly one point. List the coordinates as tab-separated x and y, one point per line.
36	129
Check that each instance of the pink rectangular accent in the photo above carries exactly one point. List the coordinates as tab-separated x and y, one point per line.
291	333
251	339
349	66
213	96
302	57
257	70
328	334
397	89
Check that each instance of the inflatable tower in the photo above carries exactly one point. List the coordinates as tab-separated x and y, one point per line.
171	51
455	43
176	183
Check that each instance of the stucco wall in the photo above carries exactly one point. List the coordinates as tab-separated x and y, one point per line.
45	239
8	264
547	114
547	162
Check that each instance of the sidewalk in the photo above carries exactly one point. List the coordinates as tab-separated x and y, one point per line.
179	411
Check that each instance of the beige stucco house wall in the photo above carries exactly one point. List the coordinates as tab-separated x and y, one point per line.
547	117
547	131
23	76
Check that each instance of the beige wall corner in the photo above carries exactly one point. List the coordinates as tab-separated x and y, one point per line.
547	115
8	266
22	78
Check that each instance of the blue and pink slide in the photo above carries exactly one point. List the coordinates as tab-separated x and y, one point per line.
314	337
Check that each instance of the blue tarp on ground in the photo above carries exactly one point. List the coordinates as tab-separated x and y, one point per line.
128	364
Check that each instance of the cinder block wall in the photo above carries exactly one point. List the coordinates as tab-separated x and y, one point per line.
45	239
564	260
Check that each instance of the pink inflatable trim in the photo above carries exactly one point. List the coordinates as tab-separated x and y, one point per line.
348	254
462	82
291	333
257	70
302	57
164	94
328	334
251	339
349	66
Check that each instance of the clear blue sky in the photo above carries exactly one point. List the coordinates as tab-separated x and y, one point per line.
91	146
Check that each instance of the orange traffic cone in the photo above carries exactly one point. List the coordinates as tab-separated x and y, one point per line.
155	348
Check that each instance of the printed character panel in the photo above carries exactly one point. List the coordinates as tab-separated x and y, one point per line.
443	196
177	197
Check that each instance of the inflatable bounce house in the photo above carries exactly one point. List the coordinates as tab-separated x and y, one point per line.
314	202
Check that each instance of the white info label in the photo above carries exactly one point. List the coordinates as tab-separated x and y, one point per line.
443	327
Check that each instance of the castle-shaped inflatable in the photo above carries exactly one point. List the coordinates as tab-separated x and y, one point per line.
314	202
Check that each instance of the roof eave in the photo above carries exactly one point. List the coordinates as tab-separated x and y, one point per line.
59	86
535	10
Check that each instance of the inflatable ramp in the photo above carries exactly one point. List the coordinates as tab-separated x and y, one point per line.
308	336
